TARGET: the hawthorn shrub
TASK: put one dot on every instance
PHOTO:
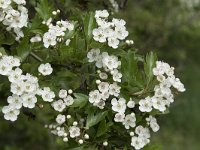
(82, 70)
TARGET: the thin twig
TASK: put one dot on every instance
(36, 56)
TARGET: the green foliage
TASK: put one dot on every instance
(80, 100)
(94, 118)
(44, 9)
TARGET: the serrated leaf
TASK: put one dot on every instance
(80, 100)
(130, 70)
(93, 119)
(89, 25)
(44, 9)
(24, 48)
(102, 128)
(149, 64)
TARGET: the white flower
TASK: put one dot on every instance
(29, 100)
(116, 75)
(47, 94)
(159, 104)
(113, 42)
(15, 75)
(103, 87)
(100, 104)
(45, 69)
(131, 104)
(153, 123)
(145, 105)
(74, 131)
(59, 105)
(105, 95)
(137, 142)
(62, 93)
(130, 121)
(10, 113)
(103, 76)
(118, 105)
(5, 68)
(68, 100)
(114, 89)
(110, 61)
(15, 101)
(17, 88)
(49, 39)
(178, 85)
(119, 117)
(60, 119)
(93, 55)
(94, 96)
(142, 132)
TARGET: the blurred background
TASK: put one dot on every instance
(169, 27)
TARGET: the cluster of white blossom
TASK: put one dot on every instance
(14, 15)
(66, 132)
(56, 33)
(163, 95)
(24, 88)
(110, 65)
(162, 98)
(152, 122)
(141, 138)
(111, 32)
(65, 100)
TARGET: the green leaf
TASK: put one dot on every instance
(93, 119)
(130, 70)
(80, 100)
(89, 25)
(149, 64)
(2, 51)
(7, 39)
(102, 128)
(24, 48)
(44, 9)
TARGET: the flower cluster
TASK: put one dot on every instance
(163, 95)
(111, 32)
(68, 130)
(14, 15)
(56, 33)
(141, 138)
(110, 66)
(24, 88)
(65, 100)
